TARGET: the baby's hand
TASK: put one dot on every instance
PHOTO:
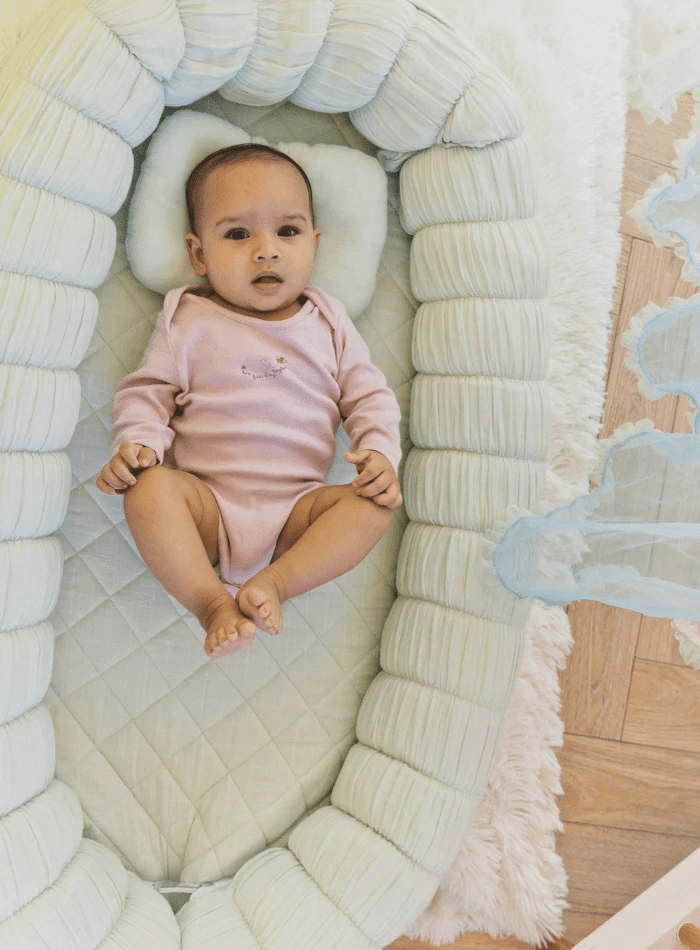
(116, 475)
(376, 479)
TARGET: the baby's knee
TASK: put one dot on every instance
(151, 481)
(387, 515)
(380, 513)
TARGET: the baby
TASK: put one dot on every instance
(224, 435)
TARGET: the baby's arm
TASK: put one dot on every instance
(368, 406)
(144, 403)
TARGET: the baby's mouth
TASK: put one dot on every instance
(267, 280)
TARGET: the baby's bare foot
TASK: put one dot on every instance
(260, 597)
(227, 628)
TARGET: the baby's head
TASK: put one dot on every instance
(251, 212)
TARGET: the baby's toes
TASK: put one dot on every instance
(273, 623)
(254, 603)
(231, 645)
(246, 628)
(217, 638)
(273, 619)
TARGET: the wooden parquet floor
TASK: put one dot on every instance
(631, 707)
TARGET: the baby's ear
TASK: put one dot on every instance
(317, 232)
(194, 249)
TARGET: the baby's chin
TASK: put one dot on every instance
(266, 303)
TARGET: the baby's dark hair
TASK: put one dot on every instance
(231, 155)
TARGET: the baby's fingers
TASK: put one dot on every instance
(109, 481)
(146, 457)
(129, 451)
(115, 476)
(104, 486)
(391, 498)
(122, 471)
(370, 486)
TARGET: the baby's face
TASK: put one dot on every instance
(255, 217)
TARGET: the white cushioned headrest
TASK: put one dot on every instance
(349, 195)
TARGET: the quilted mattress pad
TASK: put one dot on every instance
(319, 784)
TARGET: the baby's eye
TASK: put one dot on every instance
(288, 227)
(237, 233)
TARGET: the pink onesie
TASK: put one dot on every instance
(251, 406)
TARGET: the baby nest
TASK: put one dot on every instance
(87, 84)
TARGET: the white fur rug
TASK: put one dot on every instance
(568, 61)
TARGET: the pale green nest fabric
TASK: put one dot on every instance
(86, 85)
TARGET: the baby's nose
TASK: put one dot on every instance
(266, 248)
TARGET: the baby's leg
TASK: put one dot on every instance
(174, 520)
(341, 530)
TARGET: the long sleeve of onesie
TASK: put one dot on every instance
(145, 401)
(367, 405)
